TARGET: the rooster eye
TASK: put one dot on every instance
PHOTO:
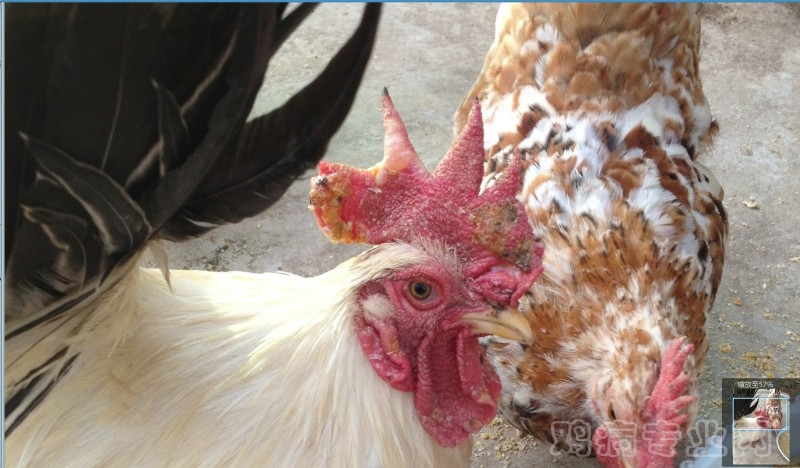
(420, 290)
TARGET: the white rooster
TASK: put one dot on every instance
(242, 369)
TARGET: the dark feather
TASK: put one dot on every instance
(119, 221)
(289, 140)
(744, 401)
(134, 118)
(172, 130)
(65, 232)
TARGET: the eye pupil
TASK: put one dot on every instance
(420, 290)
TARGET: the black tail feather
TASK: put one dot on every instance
(276, 148)
(134, 124)
(744, 402)
(149, 102)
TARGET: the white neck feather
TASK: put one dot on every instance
(230, 369)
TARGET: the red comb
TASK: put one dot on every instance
(399, 200)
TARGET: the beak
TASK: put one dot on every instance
(626, 463)
(508, 323)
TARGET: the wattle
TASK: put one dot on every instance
(456, 390)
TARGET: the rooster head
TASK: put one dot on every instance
(428, 344)
(417, 324)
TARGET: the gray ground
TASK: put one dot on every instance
(428, 55)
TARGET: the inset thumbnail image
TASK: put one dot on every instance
(760, 423)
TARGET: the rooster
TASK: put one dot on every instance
(242, 369)
(748, 429)
(211, 369)
(766, 418)
(604, 105)
(375, 363)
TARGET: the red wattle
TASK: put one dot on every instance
(456, 393)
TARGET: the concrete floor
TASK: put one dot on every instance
(428, 55)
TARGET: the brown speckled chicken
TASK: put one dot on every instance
(604, 103)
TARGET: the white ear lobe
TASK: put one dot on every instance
(378, 306)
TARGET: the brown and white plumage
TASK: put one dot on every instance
(605, 104)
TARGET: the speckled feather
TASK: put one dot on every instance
(605, 104)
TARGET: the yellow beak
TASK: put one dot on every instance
(509, 324)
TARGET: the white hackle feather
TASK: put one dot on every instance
(232, 369)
